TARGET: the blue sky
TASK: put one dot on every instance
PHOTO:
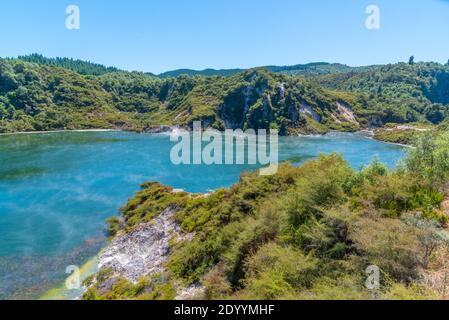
(161, 35)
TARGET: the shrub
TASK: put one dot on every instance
(275, 270)
(390, 244)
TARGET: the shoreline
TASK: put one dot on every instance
(57, 131)
(60, 292)
(396, 144)
(371, 137)
(366, 133)
(369, 134)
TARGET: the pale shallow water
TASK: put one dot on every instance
(57, 189)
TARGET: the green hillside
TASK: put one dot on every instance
(37, 97)
(49, 94)
(407, 92)
(40, 97)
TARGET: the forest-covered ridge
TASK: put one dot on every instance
(90, 68)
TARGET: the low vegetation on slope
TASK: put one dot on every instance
(305, 233)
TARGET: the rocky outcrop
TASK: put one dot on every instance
(143, 251)
(346, 113)
(160, 129)
(192, 292)
(308, 111)
(140, 252)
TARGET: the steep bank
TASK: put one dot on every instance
(141, 252)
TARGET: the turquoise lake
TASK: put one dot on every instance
(57, 189)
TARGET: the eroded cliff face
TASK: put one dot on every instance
(233, 112)
(346, 112)
(309, 112)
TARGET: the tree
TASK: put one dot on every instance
(430, 159)
(411, 60)
(3, 112)
(4, 108)
(435, 113)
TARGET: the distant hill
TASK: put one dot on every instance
(90, 68)
(206, 72)
(310, 68)
(316, 68)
